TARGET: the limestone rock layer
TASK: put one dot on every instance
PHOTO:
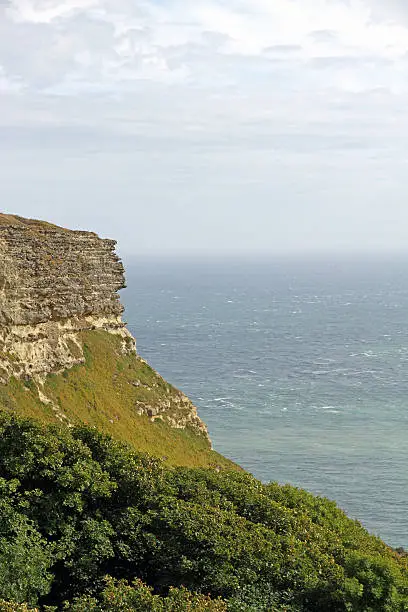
(49, 274)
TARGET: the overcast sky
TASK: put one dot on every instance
(222, 126)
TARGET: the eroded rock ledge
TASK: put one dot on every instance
(52, 346)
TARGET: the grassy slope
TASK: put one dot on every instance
(101, 394)
(15, 220)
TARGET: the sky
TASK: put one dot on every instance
(197, 127)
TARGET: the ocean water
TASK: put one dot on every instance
(299, 368)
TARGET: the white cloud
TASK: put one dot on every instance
(8, 85)
(46, 11)
(116, 41)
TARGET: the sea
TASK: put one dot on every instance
(299, 367)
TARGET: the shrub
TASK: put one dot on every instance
(77, 506)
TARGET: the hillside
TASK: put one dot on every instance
(119, 394)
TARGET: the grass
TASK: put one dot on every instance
(106, 392)
(15, 220)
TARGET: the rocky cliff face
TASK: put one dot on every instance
(53, 284)
(56, 285)
(48, 274)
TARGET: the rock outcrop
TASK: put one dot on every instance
(55, 286)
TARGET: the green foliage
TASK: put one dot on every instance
(77, 506)
(24, 555)
(119, 596)
(11, 606)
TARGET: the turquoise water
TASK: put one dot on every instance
(299, 368)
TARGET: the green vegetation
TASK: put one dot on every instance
(107, 392)
(6, 219)
(121, 512)
(87, 523)
(119, 596)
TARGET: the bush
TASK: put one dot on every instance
(120, 596)
(77, 506)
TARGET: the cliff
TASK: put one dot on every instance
(65, 353)
(53, 284)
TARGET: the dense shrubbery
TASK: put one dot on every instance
(77, 506)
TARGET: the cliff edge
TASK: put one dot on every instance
(65, 353)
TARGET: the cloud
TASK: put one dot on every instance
(249, 56)
(8, 85)
(106, 43)
(392, 11)
(284, 98)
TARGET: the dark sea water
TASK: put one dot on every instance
(299, 368)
